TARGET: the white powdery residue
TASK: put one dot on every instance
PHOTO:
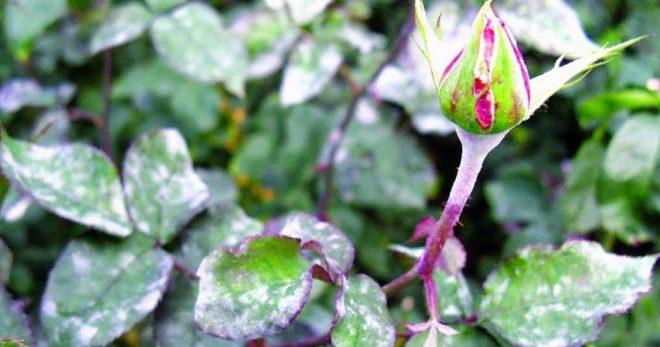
(49, 308)
(85, 334)
(148, 302)
(175, 144)
(80, 263)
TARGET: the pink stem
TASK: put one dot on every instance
(475, 150)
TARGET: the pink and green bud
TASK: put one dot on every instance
(485, 89)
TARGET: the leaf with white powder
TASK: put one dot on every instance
(253, 293)
(546, 297)
(124, 24)
(74, 181)
(311, 67)
(99, 290)
(162, 191)
(363, 316)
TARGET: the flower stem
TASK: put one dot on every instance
(475, 150)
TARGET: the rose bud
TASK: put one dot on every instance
(485, 89)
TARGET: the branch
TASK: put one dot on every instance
(106, 141)
(337, 135)
(314, 341)
(402, 281)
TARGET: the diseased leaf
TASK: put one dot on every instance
(302, 11)
(22, 92)
(579, 204)
(14, 205)
(268, 36)
(5, 263)
(74, 181)
(363, 319)
(224, 227)
(162, 191)
(162, 5)
(379, 168)
(311, 67)
(546, 297)
(336, 247)
(550, 26)
(99, 290)
(193, 41)
(13, 322)
(255, 292)
(175, 326)
(124, 24)
(222, 188)
(454, 297)
(27, 19)
(467, 337)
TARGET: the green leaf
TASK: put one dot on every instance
(607, 104)
(302, 11)
(516, 197)
(163, 5)
(543, 297)
(193, 41)
(311, 67)
(468, 337)
(579, 203)
(224, 227)
(221, 186)
(255, 292)
(163, 192)
(14, 205)
(363, 316)
(5, 263)
(27, 19)
(192, 105)
(633, 152)
(383, 169)
(98, 290)
(74, 181)
(336, 247)
(13, 322)
(22, 92)
(124, 24)
(550, 26)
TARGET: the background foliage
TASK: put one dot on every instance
(254, 101)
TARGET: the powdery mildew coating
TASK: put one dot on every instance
(83, 306)
(192, 39)
(559, 297)
(255, 292)
(312, 65)
(162, 190)
(74, 181)
(337, 248)
(363, 319)
(124, 24)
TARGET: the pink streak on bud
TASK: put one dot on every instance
(521, 61)
(451, 66)
(485, 106)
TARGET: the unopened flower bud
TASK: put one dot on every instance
(485, 89)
